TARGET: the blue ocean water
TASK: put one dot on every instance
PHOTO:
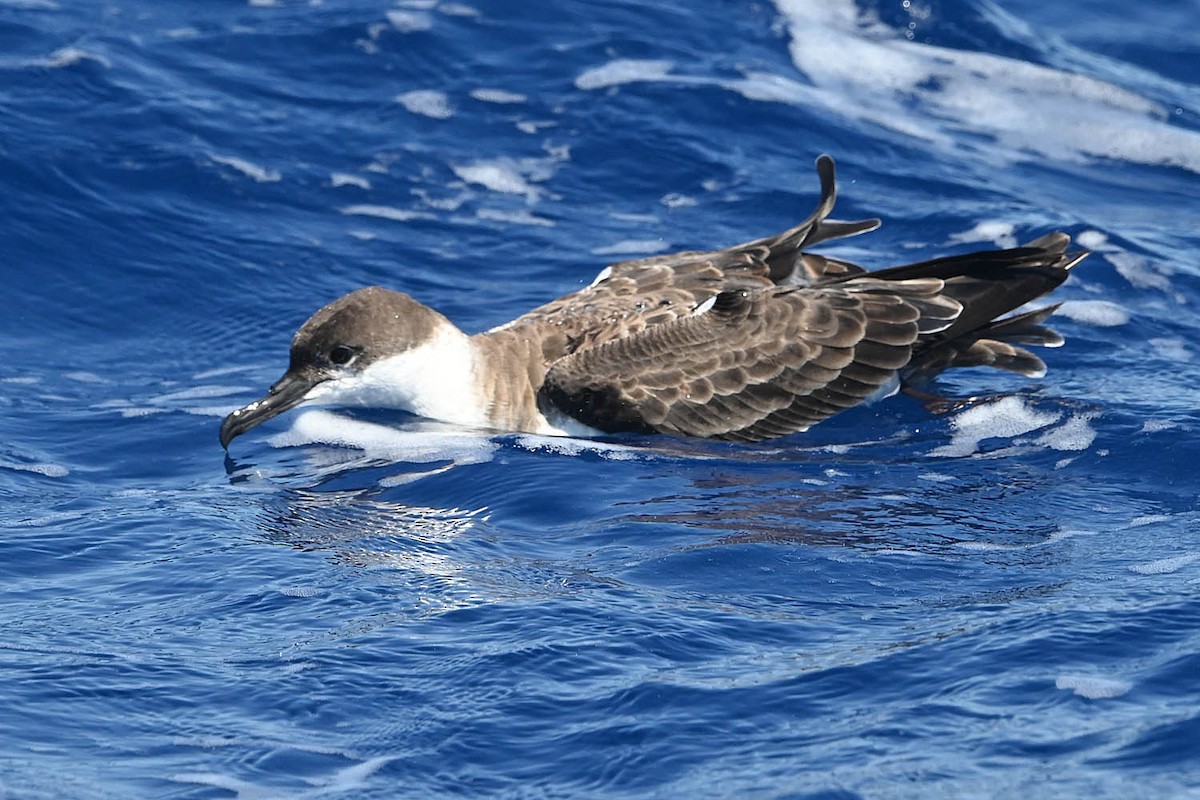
(1002, 601)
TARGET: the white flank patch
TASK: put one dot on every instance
(427, 103)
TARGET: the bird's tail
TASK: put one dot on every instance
(988, 285)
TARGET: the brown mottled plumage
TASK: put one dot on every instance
(753, 342)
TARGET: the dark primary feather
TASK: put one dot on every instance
(791, 338)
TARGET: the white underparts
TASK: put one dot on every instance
(437, 380)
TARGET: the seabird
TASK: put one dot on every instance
(749, 343)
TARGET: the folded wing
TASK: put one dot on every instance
(756, 364)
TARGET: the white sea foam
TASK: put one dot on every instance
(498, 175)
(337, 179)
(1004, 419)
(1074, 434)
(135, 412)
(385, 212)
(1164, 566)
(517, 176)
(1101, 313)
(532, 126)
(39, 468)
(1171, 348)
(426, 102)
(632, 247)
(55, 518)
(1149, 519)
(498, 96)
(1138, 271)
(1093, 687)
(41, 5)
(622, 71)
(936, 91)
(83, 376)
(765, 87)
(340, 782)
(995, 231)
(1092, 240)
(250, 169)
(864, 71)
(67, 57)
(515, 217)
(409, 20)
(573, 447)
(194, 393)
(677, 200)
(458, 10)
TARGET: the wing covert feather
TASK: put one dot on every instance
(757, 364)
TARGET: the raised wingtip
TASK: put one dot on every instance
(1057, 243)
(827, 173)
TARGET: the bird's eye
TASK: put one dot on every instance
(341, 354)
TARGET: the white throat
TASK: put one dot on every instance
(437, 380)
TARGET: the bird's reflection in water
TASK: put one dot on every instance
(421, 546)
(906, 510)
